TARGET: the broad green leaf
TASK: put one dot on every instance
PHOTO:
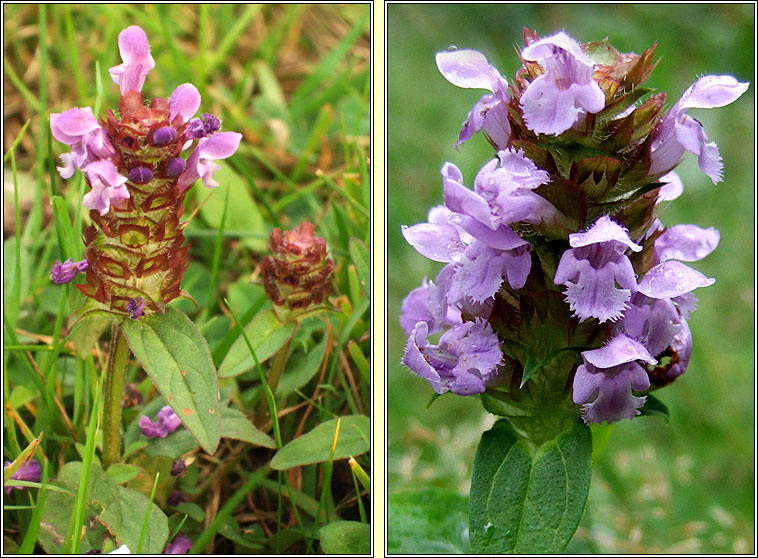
(175, 356)
(120, 473)
(360, 255)
(195, 512)
(316, 445)
(234, 424)
(300, 369)
(266, 334)
(528, 501)
(242, 216)
(430, 522)
(345, 537)
(124, 517)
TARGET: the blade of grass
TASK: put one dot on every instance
(73, 55)
(177, 529)
(323, 121)
(355, 469)
(326, 482)
(327, 67)
(147, 515)
(350, 199)
(231, 504)
(28, 96)
(12, 308)
(232, 35)
(16, 141)
(210, 302)
(71, 542)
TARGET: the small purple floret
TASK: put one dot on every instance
(66, 271)
(180, 545)
(167, 422)
(163, 136)
(176, 498)
(30, 471)
(465, 361)
(136, 307)
(199, 128)
(175, 166)
(178, 468)
(140, 175)
(604, 383)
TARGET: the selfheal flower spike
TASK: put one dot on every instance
(297, 273)
(138, 179)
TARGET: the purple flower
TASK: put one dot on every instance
(686, 243)
(200, 163)
(136, 307)
(107, 186)
(464, 361)
(593, 266)
(672, 279)
(167, 422)
(178, 468)
(137, 62)
(202, 127)
(66, 271)
(29, 471)
(557, 99)
(427, 304)
(184, 102)
(603, 384)
(469, 69)
(678, 132)
(180, 545)
(79, 128)
(502, 192)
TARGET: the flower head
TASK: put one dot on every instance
(180, 545)
(591, 268)
(137, 61)
(470, 69)
(678, 132)
(603, 384)
(557, 99)
(30, 471)
(167, 422)
(464, 361)
(297, 274)
(66, 271)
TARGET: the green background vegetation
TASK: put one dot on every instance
(686, 486)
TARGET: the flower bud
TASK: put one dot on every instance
(163, 136)
(66, 271)
(175, 166)
(297, 273)
(140, 175)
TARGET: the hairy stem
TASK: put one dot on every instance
(113, 396)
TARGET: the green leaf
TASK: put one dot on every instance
(431, 522)
(242, 215)
(195, 512)
(300, 369)
(175, 355)
(315, 446)
(527, 500)
(345, 537)
(359, 253)
(266, 334)
(67, 242)
(654, 406)
(120, 473)
(234, 424)
(124, 518)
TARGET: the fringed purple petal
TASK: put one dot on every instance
(686, 243)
